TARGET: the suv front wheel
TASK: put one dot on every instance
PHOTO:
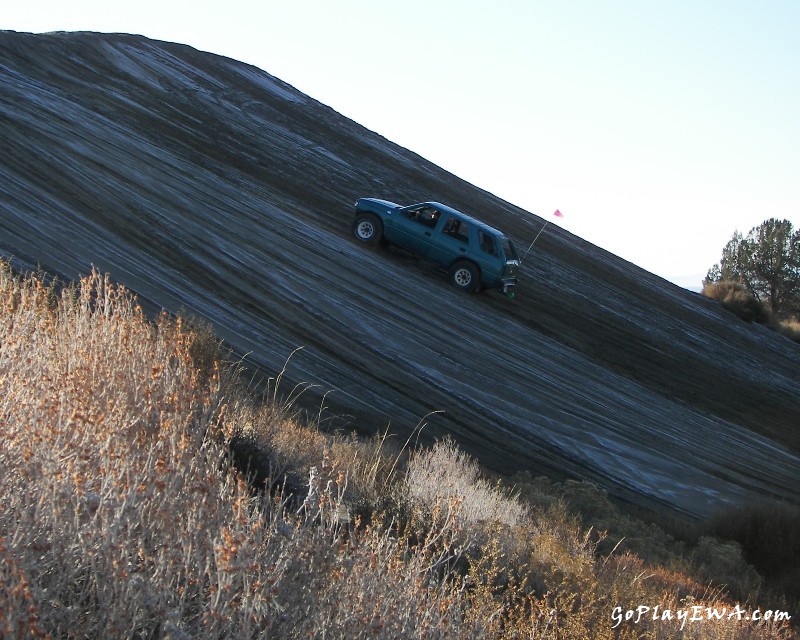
(464, 275)
(368, 228)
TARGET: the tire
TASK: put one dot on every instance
(465, 276)
(368, 228)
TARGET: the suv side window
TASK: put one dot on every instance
(424, 215)
(509, 250)
(457, 229)
(487, 243)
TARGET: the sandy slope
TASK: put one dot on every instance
(207, 185)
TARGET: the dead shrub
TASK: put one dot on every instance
(444, 474)
(121, 515)
(735, 297)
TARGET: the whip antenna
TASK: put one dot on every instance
(557, 214)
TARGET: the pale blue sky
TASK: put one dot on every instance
(657, 128)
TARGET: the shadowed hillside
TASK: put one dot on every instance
(209, 186)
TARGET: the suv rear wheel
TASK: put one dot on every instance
(368, 228)
(464, 275)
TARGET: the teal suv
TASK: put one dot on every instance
(476, 255)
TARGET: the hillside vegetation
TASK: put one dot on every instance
(736, 298)
(146, 494)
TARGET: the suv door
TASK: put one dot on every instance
(451, 241)
(412, 228)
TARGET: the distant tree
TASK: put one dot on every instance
(767, 263)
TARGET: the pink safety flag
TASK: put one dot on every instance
(558, 214)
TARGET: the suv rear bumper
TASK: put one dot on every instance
(507, 284)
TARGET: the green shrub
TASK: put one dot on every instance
(722, 564)
(769, 536)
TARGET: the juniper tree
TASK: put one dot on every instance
(767, 262)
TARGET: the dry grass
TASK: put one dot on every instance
(142, 497)
(790, 329)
